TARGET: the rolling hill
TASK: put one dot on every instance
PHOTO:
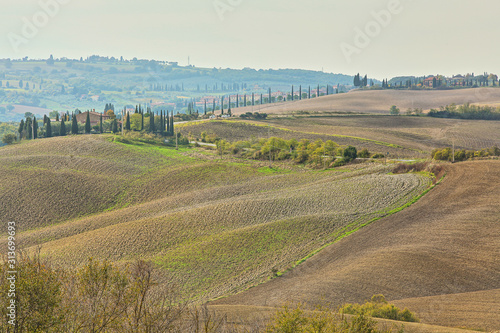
(439, 257)
(380, 101)
(213, 226)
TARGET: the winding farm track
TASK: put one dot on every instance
(440, 257)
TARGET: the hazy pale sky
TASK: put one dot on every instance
(383, 38)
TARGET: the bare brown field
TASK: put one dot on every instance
(242, 316)
(482, 309)
(379, 101)
(445, 244)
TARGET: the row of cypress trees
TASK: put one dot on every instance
(29, 129)
(164, 127)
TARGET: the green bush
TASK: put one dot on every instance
(364, 153)
(350, 153)
(378, 307)
(9, 138)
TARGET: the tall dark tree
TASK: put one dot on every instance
(222, 105)
(168, 122)
(28, 128)
(357, 80)
(300, 92)
(292, 93)
(21, 129)
(48, 129)
(245, 100)
(253, 99)
(62, 131)
(127, 122)
(151, 122)
(205, 111)
(309, 95)
(142, 121)
(365, 81)
(57, 116)
(35, 128)
(269, 95)
(318, 91)
(87, 123)
(114, 127)
(229, 109)
(213, 106)
(74, 126)
(100, 123)
(237, 100)
(172, 124)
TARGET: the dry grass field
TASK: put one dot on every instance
(438, 257)
(214, 227)
(379, 101)
(237, 232)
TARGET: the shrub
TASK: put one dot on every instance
(9, 138)
(378, 155)
(378, 307)
(364, 153)
(350, 153)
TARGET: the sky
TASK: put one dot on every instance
(381, 38)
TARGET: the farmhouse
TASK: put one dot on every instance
(94, 117)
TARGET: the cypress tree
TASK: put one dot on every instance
(261, 98)
(62, 132)
(229, 110)
(151, 122)
(35, 128)
(269, 94)
(300, 92)
(28, 127)
(205, 108)
(100, 123)
(172, 124)
(57, 116)
(253, 99)
(74, 126)
(222, 105)
(213, 107)
(245, 100)
(237, 100)
(167, 120)
(127, 122)
(309, 95)
(21, 129)
(318, 91)
(87, 123)
(48, 130)
(142, 121)
(114, 127)
(162, 123)
(292, 92)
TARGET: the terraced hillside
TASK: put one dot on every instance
(439, 257)
(214, 226)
